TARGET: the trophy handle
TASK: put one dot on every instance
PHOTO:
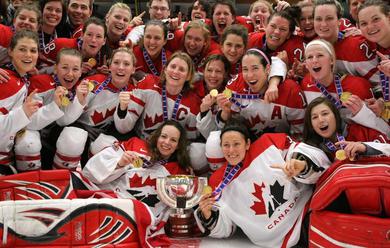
(164, 196)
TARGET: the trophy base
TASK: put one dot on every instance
(181, 226)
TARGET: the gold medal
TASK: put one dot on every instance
(340, 154)
(138, 163)
(91, 86)
(20, 133)
(65, 101)
(214, 93)
(92, 62)
(228, 93)
(345, 96)
(207, 190)
(386, 112)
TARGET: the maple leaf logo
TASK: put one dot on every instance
(276, 195)
(255, 120)
(150, 121)
(143, 188)
(98, 117)
(259, 206)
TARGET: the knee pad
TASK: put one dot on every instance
(101, 142)
(70, 146)
(214, 152)
(198, 158)
(28, 151)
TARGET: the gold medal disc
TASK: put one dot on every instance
(65, 101)
(92, 62)
(207, 190)
(340, 155)
(91, 86)
(138, 163)
(20, 133)
(345, 96)
(228, 93)
(386, 111)
(214, 93)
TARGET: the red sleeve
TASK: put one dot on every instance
(6, 36)
(177, 42)
(361, 133)
(41, 83)
(255, 40)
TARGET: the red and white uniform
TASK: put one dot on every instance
(129, 182)
(285, 115)
(294, 46)
(100, 107)
(357, 86)
(146, 105)
(5, 41)
(271, 206)
(12, 116)
(142, 64)
(354, 56)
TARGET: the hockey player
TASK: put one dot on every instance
(131, 168)
(15, 115)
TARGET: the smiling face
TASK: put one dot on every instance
(353, 8)
(323, 121)
(222, 17)
(26, 19)
(176, 73)
(234, 147)
(68, 70)
(52, 13)
(277, 32)
(154, 40)
(117, 21)
(326, 23)
(24, 55)
(233, 48)
(194, 41)
(79, 11)
(254, 73)
(168, 141)
(159, 10)
(306, 22)
(93, 40)
(214, 74)
(260, 13)
(319, 63)
(198, 12)
(375, 25)
(121, 68)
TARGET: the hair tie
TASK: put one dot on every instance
(261, 53)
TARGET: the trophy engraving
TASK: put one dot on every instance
(181, 192)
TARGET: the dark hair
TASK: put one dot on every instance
(43, 3)
(339, 8)
(383, 6)
(181, 152)
(263, 57)
(149, 3)
(290, 14)
(228, 3)
(205, 5)
(238, 30)
(90, 3)
(188, 85)
(30, 7)
(218, 57)
(237, 124)
(97, 22)
(70, 52)
(24, 33)
(309, 135)
(159, 23)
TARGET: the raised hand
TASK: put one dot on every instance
(4, 76)
(137, 20)
(124, 100)
(291, 168)
(206, 203)
(82, 92)
(352, 149)
(30, 106)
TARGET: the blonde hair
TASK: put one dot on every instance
(119, 6)
(191, 70)
(327, 46)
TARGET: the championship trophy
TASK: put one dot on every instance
(181, 192)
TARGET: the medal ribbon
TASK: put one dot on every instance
(71, 93)
(150, 63)
(325, 92)
(227, 178)
(165, 105)
(42, 44)
(332, 146)
(148, 164)
(385, 86)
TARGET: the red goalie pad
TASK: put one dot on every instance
(351, 205)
